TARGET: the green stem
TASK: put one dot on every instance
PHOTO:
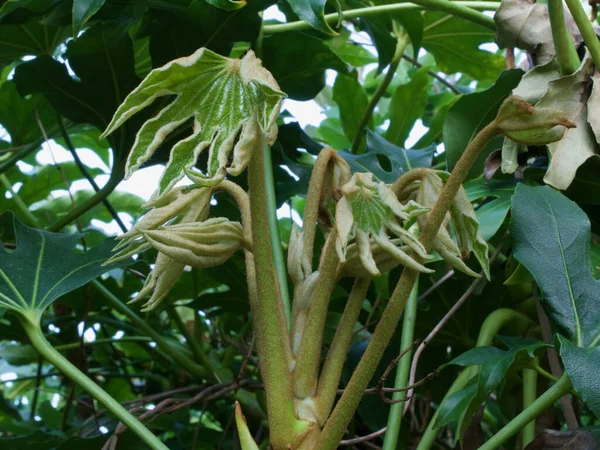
(276, 248)
(306, 370)
(540, 370)
(272, 337)
(46, 350)
(191, 341)
(489, 329)
(546, 400)
(390, 441)
(115, 178)
(33, 221)
(586, 29)
(73, 345)
(401, 43)
(344, 410)
(465, 9)
(336, 356)
(109, 207)
(529, 396)
(178, 357)
(566, 55)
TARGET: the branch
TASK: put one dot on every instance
(433, 333)
(433, 74)
(465, 9)
(401, 42)
(368, 437)
(109, 207)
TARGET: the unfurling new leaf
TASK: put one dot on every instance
(233, 103)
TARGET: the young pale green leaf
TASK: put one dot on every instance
(83, 10)
(313, 13)
(557, 255)
(43, 267)
(225, 97)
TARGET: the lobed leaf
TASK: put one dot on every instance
(228, 100)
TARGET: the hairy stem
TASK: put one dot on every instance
(46, 350)
(566, 55)
(306, 369)
(586, 29)
(177, 356)
(116, 177)
(336, 356)
(390, 441)
(546, 400)
(342, 414)
(401, 43)
(272, 337)
(465, 9)
(529, 396)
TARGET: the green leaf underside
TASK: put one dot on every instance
(209, 88)
(557, 255)
(552, 240)
(43, 267)
(313, 13)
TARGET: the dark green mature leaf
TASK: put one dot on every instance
(491, 214)
(379, 28)
(312, 12)
(406, 106)
(351, 53)
(557, 255)
(387, 161)
(228, 5)
(298, 63)
(32, 38)
(180, 31)
(473, 112)
(455, 43)
(43, 267)
(352, 100)
(103, 61)
(18, 115)
(459, 408)
(83, 10)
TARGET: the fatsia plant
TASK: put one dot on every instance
(420, 211)
(378, 234)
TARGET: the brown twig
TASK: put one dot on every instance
(444, 321)
(368, 437)
(436, 285)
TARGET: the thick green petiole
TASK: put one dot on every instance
(546, 400)
(566, 55)
(46, 350)
(408, 331)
